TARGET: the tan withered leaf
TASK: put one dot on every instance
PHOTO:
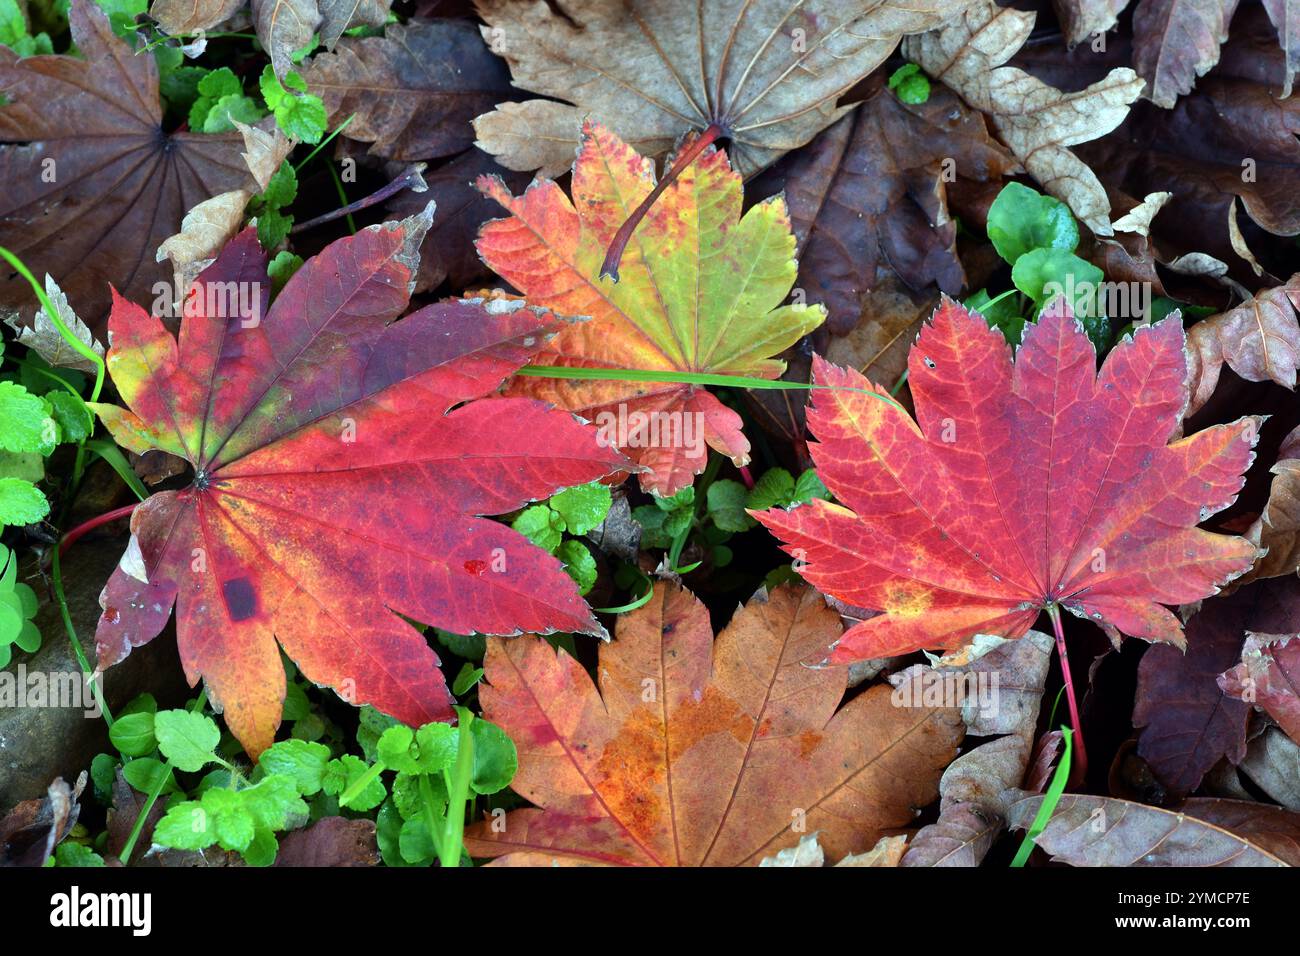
(92, 184)
(1083, 19)
(212, 223)
(1101, 831)
(412, 92)
(1038, 122)
(971, 789)
(187, 16)
(768, 71)
(1259, 340)
(701, 753)
(44, 336)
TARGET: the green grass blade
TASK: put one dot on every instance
(1050, 799)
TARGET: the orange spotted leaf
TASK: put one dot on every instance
(696, 752)
(701, 290)
(341, 460)
(1019, 485)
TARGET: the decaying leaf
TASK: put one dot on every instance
(1176, 41)
(212, 223)
(30, 831)
(92, 182)
(1187, 724)
(695, 753)
(1268, 677)
(1038, 122)
(44, 337)
(189, 16)
(1101, 831)
(869, 193)
(1273, 764)
(1001, 694)
(701, 291)
(1259, 340)
(413, 91)
(769, 72)
(333, 489)
(1018, 486)
(808, 853)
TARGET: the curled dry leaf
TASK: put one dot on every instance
(1085, 19)
(943, 523)
(701, 291)
(868, 195)
(44, 336)
(1268, 676)
(212, 223)
(413, 91)
(1259, 340)
(284, 27)
(700, 753)
(204, 231)
(1231, 137)
(334, 486)
(769, 72)
(92, 182)
(31, 830)
(1001, 694)
(287, 26)
(887, 852)
(1101, 831)
(1038, 122)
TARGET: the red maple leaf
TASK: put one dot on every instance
(340, 461)
(1019, 487)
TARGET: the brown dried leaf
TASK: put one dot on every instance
(961, 836)
(1101, 831)
(1273, 763)
(1259, 340)
(189, 16)
(1187, 723)
(868, 196)
(414, 90)
(1038, 122)
(1083, 19)
(769, 71)
(120, 184)
(694, 753)
(1176, 41)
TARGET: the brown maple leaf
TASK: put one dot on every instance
(768, 72)
(93, 183)
(694, 752)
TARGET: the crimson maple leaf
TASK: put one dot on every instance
(1019, 486)
(339, 466)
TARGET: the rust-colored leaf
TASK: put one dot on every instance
(698, 753)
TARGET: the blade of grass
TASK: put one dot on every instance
(1050, 799)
